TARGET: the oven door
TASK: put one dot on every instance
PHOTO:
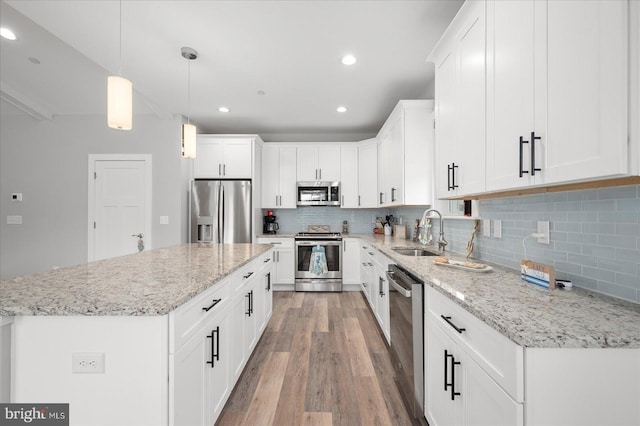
(333, 253)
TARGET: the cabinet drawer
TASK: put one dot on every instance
(498, 356)
(186, 320)
(277, 242)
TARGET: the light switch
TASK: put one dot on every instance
(164, 220)
(486, 228)
(497, 228)
(14, 220)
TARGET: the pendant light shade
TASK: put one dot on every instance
(119, 103)
(189, 130)
(188, 141)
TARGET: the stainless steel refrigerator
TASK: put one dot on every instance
(220, 211)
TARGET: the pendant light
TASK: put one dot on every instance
(189, 130)
(119, 94)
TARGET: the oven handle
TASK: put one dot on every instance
(403, 291)
(321, 243)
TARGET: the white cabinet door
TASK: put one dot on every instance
(239, 353)
(510, 93)
(208, 161)
(585, 133)
(349, 176)
(237, 161)
(270, 177)
(329, 164)
(368, 174)
(190, 382)
(470, 47)
(284, 266)
(351, 261)
(307, 164)
(382, 304)
(445, 113)
(287, 182)
(267, 289)
(218, 365)
(440, 409)
(278, 177)
(384, 152)
(395, 161)
(483, 401)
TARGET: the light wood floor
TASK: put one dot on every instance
(321, 361)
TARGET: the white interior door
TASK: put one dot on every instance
(120, 194)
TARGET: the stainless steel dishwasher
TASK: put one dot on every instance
(406, 323)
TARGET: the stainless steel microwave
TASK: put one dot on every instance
(318, 193)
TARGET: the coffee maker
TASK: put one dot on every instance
(270, 226)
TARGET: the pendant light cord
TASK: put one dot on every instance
(188, 91)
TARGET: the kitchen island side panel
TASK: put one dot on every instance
(132, 389)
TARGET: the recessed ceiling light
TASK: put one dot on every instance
(349, 60)
(224, 109)
(341, 109)
(7, 33)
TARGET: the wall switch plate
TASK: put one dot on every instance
(543, 228)
(16, 196)
(87, 363)
(497, 228)
(164, 220)
(14, 220)
(486, 228)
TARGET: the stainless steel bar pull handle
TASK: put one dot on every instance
(448, 321)
(215, 302)
(219, 169)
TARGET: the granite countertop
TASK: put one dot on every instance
(275, 235)
(529, 315)
(153, 282)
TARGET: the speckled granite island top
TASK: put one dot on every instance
(528, 315)
(149, 283)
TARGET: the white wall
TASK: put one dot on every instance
(47, 161)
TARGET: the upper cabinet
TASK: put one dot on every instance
(367, 174)
(318, 163)
(278, 177)
(349, 176)
(460, 104)
(405, 155)
(563, 118)
(220, 157)
(531, 93)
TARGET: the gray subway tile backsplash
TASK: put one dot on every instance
(595, 233)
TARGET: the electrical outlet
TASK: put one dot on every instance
(87, 363)
(486, 228)
(497, 228)
(543, 228)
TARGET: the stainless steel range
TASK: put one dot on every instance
(318, 260)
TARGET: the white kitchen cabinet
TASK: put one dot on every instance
(469, 368)
(351, 261)
(349, 176)
(543, 127)
(202, 380)
(375, 284)
(405, 155)
(267, 298)
(318, 163)
(278, 177)
(283, 258)
(368, 174)
(220, 157)
(381, 297)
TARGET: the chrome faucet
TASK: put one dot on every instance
(442, 243)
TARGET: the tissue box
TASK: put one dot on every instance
(538, 274)
(400, 231)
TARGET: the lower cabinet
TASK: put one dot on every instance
(350, 261)
(283, 258)
(205, 367)
(373, 275)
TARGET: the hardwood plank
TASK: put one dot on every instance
(300, 347)
(290, 407)
(265, 399)
(336, 330)
(230, 418)
(281, 302)
(317, 419)
(297, 298)
(393, 400)
(344, 400)
(319, 384)
(321, 314)
(373, 336)
(357, 347)
(285, 334)
(371, 402)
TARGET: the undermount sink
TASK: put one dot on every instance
(414, 252)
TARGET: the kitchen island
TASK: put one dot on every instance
(155, 327)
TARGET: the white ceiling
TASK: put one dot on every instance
(289, 49)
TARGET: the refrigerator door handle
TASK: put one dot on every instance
(221, 213)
